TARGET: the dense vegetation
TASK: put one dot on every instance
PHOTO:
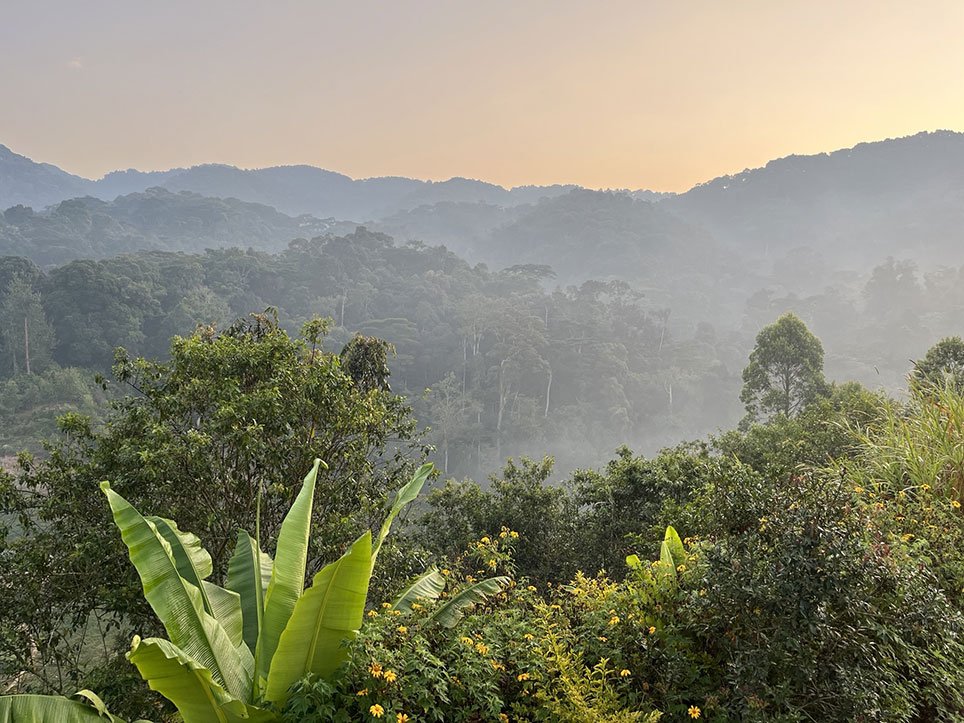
(817, 572)
(571, 559)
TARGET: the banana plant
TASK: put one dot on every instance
(233, 652)
(430, 586)
(56, 709)
(672, 554)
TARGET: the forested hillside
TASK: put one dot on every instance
(156, 219)
(496, 363)
(533, 320)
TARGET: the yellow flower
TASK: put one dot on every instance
(390, 676)
(377, 711)
(513, 534)
(402, 629)
(955, 504)
(375, 669)
(416, 606)
(401, 718)
(858, 489)
(602, 638)
(503, 718)
(445, 571)
(522, 676)
(681, 568)
(652, 630)
(372, 613)
(530, 636)
(363, 691)
(467, 641)
(614, 620)
(496, 665)
(386, 605)
(491, 563)
(925, 487)
(485, 540)
(694, 711)
(482, 648)
(624, 673)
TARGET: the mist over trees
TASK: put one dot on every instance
(555, 351)
(530, 320)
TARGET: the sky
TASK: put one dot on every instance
(606, 94)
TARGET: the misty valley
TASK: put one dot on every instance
(621, 455)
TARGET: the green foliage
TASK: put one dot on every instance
(827, 430)
(785, 373)
(205, 437)
(30, 406)
(207, 670)
(812, 616)
(519, 500)
(943, 364)
(506, 659)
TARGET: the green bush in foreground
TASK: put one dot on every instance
(235, 651)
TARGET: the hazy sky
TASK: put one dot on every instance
(633, 93)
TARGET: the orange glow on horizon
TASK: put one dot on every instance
(619, 94)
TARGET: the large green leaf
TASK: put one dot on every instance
(327, 615)
(194, 565)
(427, 586)
(405, 495)
(189, 685)
(249, 573)
(676, 549)
(666, 569)
(54, 709)
(287, 575)
(449, 614)
(178, 603)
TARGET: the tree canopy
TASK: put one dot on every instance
(785, 373)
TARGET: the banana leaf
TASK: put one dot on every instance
(178, 603)
(666, 569)
(287, 574)
(190, 686)
(449, 614)
(327, 615)
(676, 549)
(405, 495)
(427, 586)
(55, 709)
(194, 565)
(249, 573)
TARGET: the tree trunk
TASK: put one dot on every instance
(26, 344)
(548, 389)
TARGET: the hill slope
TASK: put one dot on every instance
(154, 220)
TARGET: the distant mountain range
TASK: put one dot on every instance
(293, 190)
(901, 197)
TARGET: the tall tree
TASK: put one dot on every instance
(28, 339)
(785, 373)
